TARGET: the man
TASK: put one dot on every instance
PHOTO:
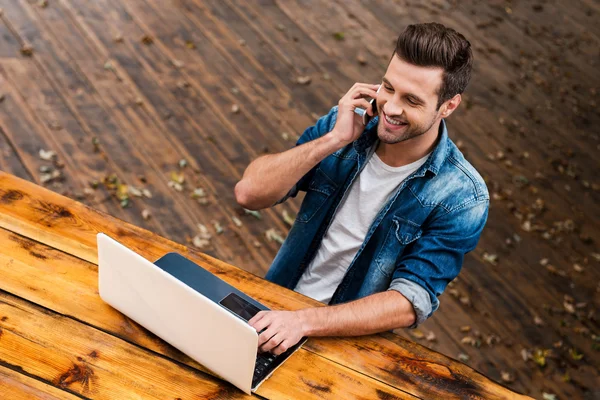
(390, 209)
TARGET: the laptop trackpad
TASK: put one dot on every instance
(239, 306)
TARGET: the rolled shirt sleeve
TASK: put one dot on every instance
(416, 295)
(428, 264)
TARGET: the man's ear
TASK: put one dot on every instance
(449, 106)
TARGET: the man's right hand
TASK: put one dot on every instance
(349, 126)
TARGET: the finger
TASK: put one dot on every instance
(273, 342)
(266, 336)
(257, 318)
(283, 347)
(362, 103)
(363, 91)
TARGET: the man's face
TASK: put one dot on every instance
(407, 101)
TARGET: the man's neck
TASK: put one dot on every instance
(409, 151)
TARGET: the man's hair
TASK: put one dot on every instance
(434, 45)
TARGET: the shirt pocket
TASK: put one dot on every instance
(319, 191)
(401, 233)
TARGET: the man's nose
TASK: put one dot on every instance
(393, 109)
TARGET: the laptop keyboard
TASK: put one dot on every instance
(263, 362)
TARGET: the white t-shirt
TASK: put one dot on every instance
(368, 194)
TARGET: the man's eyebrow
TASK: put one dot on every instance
(414, 97)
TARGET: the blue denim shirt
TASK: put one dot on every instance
(416, 243)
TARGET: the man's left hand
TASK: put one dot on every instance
(282, 330)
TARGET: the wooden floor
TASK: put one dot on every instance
(171, 100)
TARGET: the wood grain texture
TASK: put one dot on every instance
(17, 386)
(532, 98)
(72, 355)
(432, 374)
(68, 286)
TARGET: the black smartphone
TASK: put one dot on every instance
(363, 113)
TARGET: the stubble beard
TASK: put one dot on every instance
(389, 137)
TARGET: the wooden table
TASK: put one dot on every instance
(58, 339)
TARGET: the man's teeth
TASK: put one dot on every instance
(393, 122)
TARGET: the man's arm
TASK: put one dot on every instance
(269, 178)
(375, 313)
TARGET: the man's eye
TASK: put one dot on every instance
(389, 89)
(412, 102)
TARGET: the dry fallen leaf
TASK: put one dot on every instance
(42, 3)
(538, 321)
(202, 240)
(303, 80)
(47, 155)
(254, 213)
(416, 333)
(288, 218)
(463, 357)
(27, 50)
(198, 193)
(147, 193)
(176, 186)
(430, 337)
(218, 228)
(338, 35)
(146, 214)
(50, 176)
(569, 307)
(96, 144)
(575, 355)
(190, 45)
(539, 356)
(273, 235)
(507, 377)
(490, 258)
(109, 66)
(177, 63)
(235, 108)
(147, 39)
(177, 177)
(236, 221)
(549, 396)
(132, 190)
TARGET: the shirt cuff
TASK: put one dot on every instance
(418, 297)
(291, 193)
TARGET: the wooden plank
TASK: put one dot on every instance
(202, 153)
(72, 228)
(210, 59)
(9, 159)
(165, 200)
(219, 53)
(17, 386)
(77, 152)
(21, 130)
(89, 362)
(23, 260)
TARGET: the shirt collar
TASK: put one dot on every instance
(436, 158)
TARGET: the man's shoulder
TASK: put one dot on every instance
(458, 184)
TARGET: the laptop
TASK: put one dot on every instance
(190, 308)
